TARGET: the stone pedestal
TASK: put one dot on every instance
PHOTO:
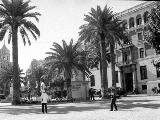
(80, 89)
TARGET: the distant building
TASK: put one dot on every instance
(4, 63)
(137, 65)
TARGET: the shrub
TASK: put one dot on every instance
(7, 100)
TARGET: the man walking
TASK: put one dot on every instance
(44, 99)
(90, 97)
(113, 99)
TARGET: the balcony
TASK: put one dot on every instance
(126, 56)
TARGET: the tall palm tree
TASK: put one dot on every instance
(94, 56)
(102, 26)
(14, 15)
(67, 59)
(115, 35)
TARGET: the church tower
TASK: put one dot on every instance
(4, 64)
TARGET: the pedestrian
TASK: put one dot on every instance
(90, 97)
(113, 99)
(92, 94)
(44, 99)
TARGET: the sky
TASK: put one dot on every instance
(60, 20)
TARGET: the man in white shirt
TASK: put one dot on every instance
(44, 99)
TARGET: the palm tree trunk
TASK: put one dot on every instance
(69, 91)
(113, 64)
(101, 73)
(104, 63)
(39, 88)
(16, 81)
(4, 88)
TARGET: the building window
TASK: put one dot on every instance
(146, 16)
(131, 22)
(140, 36)
(159, 85)
(141, 52)
(143, 72)
(139, 19)
(92, 80)
(158, 69)
(144, 87)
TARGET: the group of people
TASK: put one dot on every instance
(44, 97)
(91, 94)
(113, 97)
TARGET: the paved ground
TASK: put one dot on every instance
(136, 107)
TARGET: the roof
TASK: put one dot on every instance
(4, 49)
(136, 8)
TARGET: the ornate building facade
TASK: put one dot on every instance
(137, 65)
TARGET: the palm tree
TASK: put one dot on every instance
(14, 14)
(115, 35)
(94, 57)
(67, 59)
(103, 27)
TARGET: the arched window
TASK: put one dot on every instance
(145, 17)
(138, 19)
(124, 25)
(131, 22)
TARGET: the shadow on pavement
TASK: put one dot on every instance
(130, 104)
(123, 105)
(52, 109)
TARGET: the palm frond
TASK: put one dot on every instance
(28, 8)
(9, 36)
(3, 12)
(34, 15)
(30, 26)
(65, 46)
(6, 3)
(58, 48)
(3, 31)
(23, 35)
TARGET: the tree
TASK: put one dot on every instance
(6, 76)
(153, 35)
(103, 27)
(34, 75)
(14, 15)
(67, 59)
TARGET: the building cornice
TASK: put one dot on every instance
(136, 8)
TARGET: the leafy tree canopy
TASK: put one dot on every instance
(154, 28)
